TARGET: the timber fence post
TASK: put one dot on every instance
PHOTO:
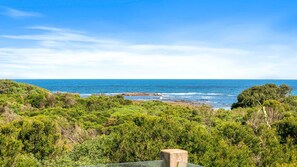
(174, 158)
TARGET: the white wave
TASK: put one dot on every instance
(112, 94)
(231, 95)
(192, 93)
(206, 97)
(215, 94)
(57, 91)
(182, 94)
(85, 94)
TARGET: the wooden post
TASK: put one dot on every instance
(174, 158)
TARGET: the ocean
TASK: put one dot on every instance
(217, 93)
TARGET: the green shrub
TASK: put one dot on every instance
(257, 95)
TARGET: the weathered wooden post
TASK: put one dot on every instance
(174, 158)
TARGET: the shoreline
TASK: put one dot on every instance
(192, 99)
(185, 103)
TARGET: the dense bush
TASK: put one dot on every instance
(257, 95)
(39, 128)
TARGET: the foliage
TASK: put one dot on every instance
(40, 128)
(257, 95)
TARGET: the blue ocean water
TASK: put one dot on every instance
(218, 93)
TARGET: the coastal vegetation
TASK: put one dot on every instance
(40, 128)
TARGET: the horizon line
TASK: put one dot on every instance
(149, 79)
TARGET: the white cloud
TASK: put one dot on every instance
(14, 13)
(52, 35)
(62, 53)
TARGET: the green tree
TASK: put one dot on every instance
(257, 95)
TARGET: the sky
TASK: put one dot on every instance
(148, 39)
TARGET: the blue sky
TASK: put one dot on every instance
(194, 39)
